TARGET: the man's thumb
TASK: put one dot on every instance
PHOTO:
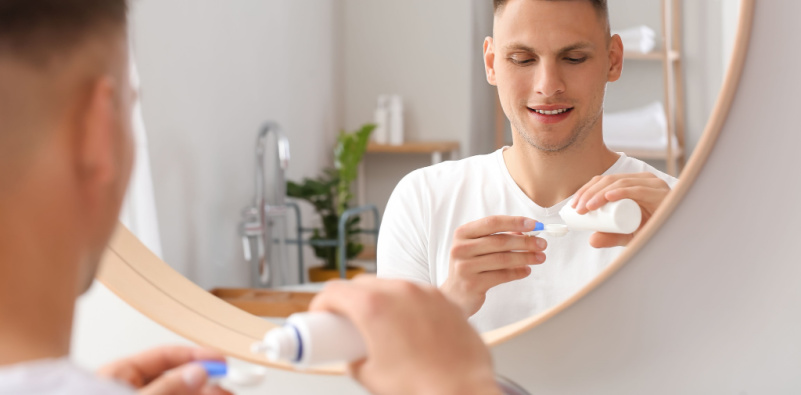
(186, 380)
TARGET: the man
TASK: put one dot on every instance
(65, 160)
(457, 224)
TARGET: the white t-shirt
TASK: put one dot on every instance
(55, 377)
(430, 203)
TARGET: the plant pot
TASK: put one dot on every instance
(319, 274)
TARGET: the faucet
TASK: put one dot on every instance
(268, 212)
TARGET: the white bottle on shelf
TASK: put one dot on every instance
(381, 132)
(396, 120)
(314, 338)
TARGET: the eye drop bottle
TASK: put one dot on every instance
(309, 339)
(623, 216)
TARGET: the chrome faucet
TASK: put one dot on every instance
(267, 216)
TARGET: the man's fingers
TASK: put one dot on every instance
(596, 196)
(607, 240)
(141, 368)
(498, 261)
(647, 197)
(186, 380)
(494, 224)
(581, 191)
(214, 390)
(497, 243)
(494, 278)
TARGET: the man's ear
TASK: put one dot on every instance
(489, 60)
(615, 58)
(96, 137)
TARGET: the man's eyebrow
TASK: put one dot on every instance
(578, 46)
(571, 47)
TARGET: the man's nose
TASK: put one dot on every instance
(548, 80)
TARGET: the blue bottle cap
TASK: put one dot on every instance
(214, 368)
(539, 226)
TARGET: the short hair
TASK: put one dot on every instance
(39, 39)
(35, 30)
(600, 6)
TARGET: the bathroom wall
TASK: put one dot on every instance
(212, 72)
(429, 52)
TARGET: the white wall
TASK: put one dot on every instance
(212, 72)
(429, 52)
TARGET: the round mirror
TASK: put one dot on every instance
(249, 95)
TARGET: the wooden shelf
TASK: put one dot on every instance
(265, 303)
(655, 56)
(428, 147)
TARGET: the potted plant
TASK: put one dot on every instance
(330, 194)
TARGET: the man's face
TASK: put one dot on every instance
(551, 61)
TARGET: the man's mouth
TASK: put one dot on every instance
(551, 112)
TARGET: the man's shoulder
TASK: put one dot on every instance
(454, 173)
(633, 165)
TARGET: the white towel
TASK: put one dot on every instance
(138, 211)
(641, 128)
(640, 39)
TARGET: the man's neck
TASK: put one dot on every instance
(37, 295)
(548, 178)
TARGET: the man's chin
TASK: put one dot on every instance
(550, 145)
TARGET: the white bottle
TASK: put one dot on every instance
(309, 339)
(395, 120)
(623, 216)
(381, 132)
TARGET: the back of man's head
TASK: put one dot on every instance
(40, 43)
(65, 135)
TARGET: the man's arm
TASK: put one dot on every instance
(402, 250)
(417, 341)
(645, 188)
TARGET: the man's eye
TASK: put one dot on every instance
(576, 60)
(521, 61)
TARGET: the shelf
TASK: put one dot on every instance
(265, 303)
(428, 147)
(656, 56)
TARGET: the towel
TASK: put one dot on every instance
(641, 39)
(640, 128)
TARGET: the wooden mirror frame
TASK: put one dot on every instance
(144, 281)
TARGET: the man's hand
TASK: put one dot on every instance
(646, 189)
(483, 257)
(165, 371)
(417, 341)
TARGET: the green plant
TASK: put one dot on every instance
(330, 193)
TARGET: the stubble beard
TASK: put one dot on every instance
(577, 135)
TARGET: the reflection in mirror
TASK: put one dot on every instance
(417, 70)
